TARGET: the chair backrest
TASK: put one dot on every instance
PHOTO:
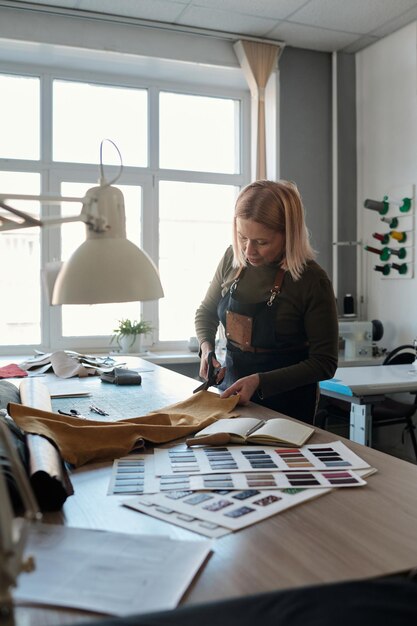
(400, 355)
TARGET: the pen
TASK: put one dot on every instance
(254, 428)
(96, 409)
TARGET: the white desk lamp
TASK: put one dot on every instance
(107, 267)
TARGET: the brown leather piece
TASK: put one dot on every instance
(239, 328)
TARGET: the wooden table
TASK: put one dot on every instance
(347, 534)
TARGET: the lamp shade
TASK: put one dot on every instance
(114, 270)
(107, 267)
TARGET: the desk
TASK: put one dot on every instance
(348, 534)
(364, 386)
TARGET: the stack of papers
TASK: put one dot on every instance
(107, 572)
(215, 490)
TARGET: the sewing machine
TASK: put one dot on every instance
(357, 338)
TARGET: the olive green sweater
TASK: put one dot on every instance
(306, 314)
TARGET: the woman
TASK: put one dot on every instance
(276, 304)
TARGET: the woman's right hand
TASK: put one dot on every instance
(206, 348)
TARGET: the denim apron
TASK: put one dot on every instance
(264, 354)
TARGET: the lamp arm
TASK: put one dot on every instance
(28, 221)
(5, 222)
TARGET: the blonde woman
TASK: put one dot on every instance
(276, 304)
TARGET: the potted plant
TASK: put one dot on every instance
(128, 334)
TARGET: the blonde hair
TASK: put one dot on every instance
(277, 206)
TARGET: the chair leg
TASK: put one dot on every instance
(411, 427)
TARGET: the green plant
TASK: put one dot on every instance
(129, 328)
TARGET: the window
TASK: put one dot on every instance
(182, 156)
(198, 133)
(20, 319)
(20, 117)
(194, 229)
(84, 114)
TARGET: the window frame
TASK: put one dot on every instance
(53, 173)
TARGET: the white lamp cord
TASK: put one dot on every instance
(103, 180)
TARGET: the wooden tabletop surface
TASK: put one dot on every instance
(347, 534)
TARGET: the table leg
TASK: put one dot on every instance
(361, 424)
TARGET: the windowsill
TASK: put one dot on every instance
(161, 358)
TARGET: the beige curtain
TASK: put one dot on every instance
(258, 60)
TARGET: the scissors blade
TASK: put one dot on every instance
(202, 387)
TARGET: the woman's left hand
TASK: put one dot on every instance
(244, 387)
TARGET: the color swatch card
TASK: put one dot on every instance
(319, 456)
(133, 474)
(217, 512)
(156, 507)
(262, 480)
(207, 460)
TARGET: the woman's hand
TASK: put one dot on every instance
(206, 348)
(245, 387)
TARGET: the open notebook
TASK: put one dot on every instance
(251, 430)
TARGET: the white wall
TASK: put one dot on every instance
(387, 158)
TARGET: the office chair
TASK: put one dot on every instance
(386, 413)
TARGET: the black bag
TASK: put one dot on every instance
(121, 376)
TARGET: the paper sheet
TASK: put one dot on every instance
(107, 572)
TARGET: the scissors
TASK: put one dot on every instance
(72, 413)
(212, 374)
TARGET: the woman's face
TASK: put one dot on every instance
(260, 245)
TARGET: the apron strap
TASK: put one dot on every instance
(236, 279)
(276, 289)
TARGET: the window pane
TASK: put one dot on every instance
(19, 119)
(195, 230)
(97, 319)
(84, 115)
(20, 267)
(199, 133)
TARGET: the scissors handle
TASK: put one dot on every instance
(211, 369)
(211, 374)
(72, 413)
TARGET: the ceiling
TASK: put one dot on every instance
(326, 25)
